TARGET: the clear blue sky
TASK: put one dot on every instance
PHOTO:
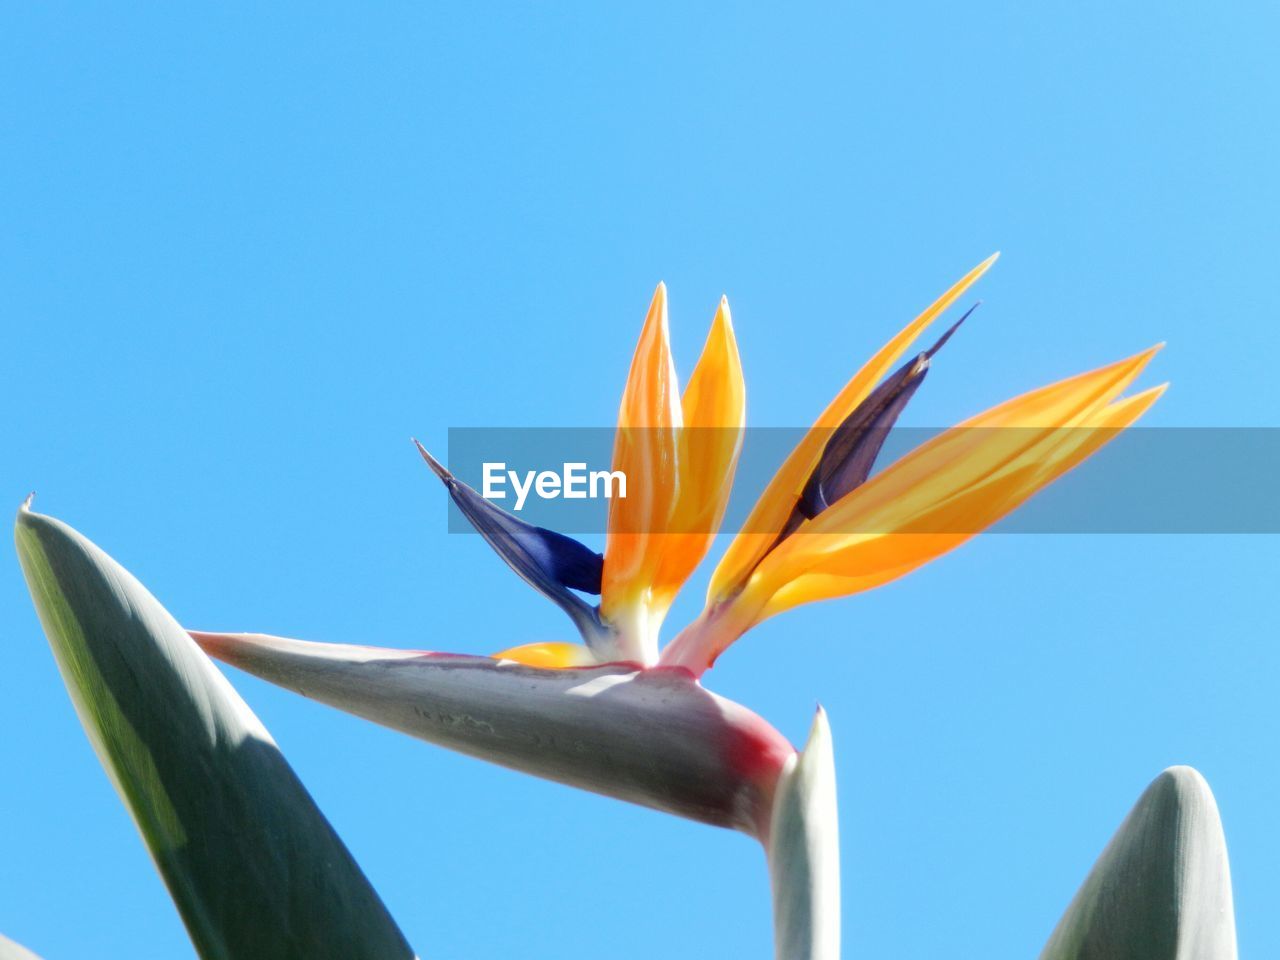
(245, 253)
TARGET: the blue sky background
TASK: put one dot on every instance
(245, 253)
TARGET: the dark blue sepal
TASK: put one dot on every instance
(550, 562)
(851, 451)
(852, 448)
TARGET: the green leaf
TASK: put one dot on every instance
(804, 853)
(255, 869)
(1161, 890)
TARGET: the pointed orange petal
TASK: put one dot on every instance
(962, 457)
(1067, 401)
(882, 548)
(646, 451)
(776, 503)
(928, 503)
(714, 406)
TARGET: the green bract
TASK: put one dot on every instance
(1161, 890)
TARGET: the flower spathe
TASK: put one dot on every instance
(651, 737)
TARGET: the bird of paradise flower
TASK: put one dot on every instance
(618, 714)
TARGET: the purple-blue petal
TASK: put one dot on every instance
(550, 562)
(851, 451)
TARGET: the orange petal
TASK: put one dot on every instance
(714, 407)
(646, 451)
(959, 458)
(775, 505)
(880, 547)
(926, 504)
(553, 655)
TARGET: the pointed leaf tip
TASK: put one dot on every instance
(803, 848)
(251, 863)
(1161, 890)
